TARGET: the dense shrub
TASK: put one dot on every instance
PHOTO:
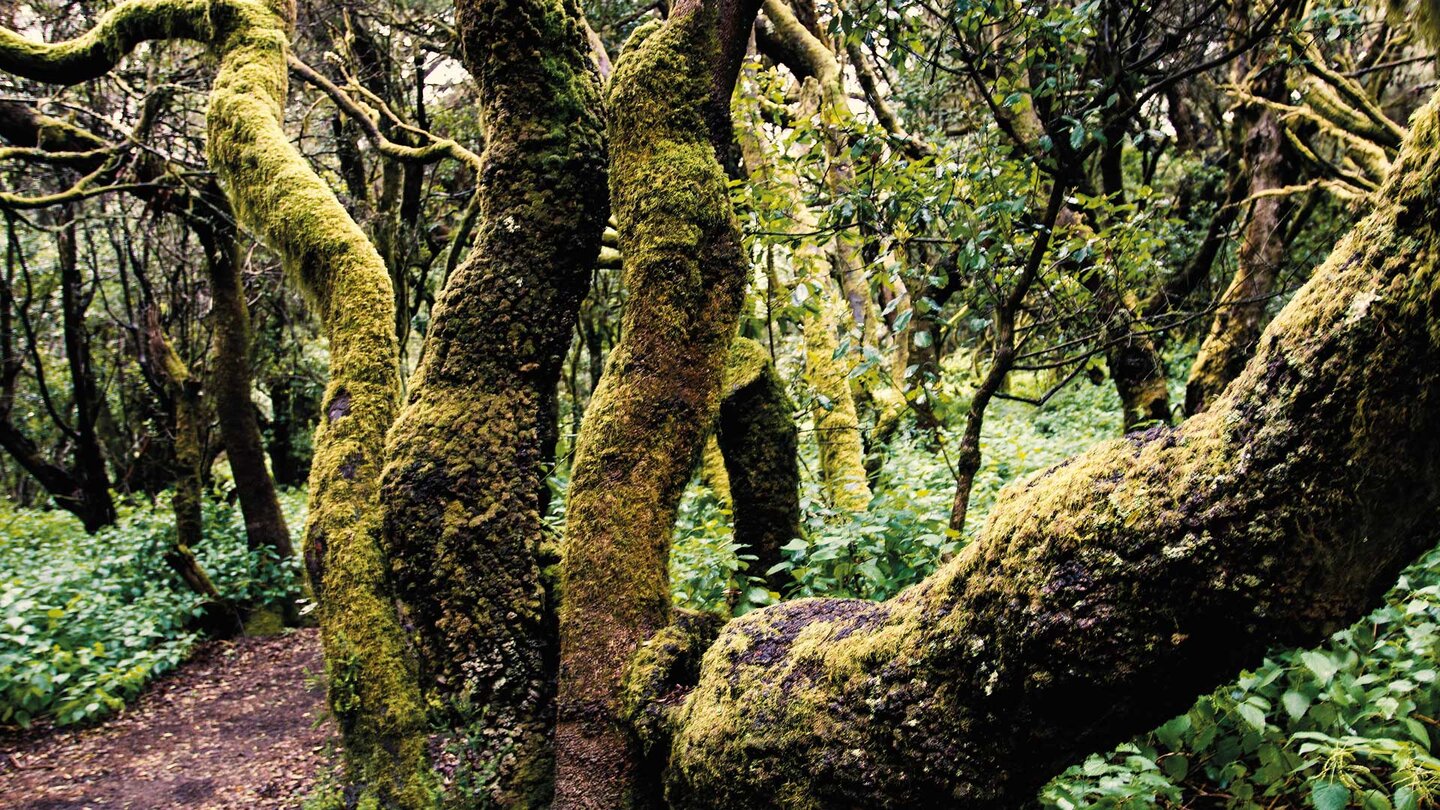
(89, 619)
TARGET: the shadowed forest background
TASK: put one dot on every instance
(805, 403)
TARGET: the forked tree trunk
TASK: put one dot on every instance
(464, 466)
(1109, 590)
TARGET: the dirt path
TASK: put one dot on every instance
(235, 727)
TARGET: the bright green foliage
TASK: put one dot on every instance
(902, 538)
(88, 620)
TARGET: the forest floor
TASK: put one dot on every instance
(236, 726)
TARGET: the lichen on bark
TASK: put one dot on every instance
(1110, 589)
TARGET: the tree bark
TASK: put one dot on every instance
(1109, 590)
(464, 471)
(760, 446)
(231, 377)
(685, 271)
(1241, 309)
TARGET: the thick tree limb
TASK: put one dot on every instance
(1109, 590)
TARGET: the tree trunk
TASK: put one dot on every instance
(288, 412)
(757, 438)
(1136, 368)
(1109, 590)
(685, 271)
(183, 391)
(464, 470)
(97, 507)
(1241, 310)
(231, 379)
(833, 408)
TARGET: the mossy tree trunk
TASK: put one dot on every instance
(1109, 590)
(685, 271)
(372, 686)
(187, 415)
(1240, 313)
(833, 408)
(462, 517)
(231, 377)
(811, 58)
(760, 446)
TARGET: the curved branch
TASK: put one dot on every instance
(437, 149)
(97, 51)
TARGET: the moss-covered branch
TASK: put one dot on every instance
(119, 30)
(434, 150)
(1109, 590)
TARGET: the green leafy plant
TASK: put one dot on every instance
(87, 620)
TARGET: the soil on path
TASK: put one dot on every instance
(234, 727)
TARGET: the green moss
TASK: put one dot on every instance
(643, 430)
(661, 673)
(466, 459)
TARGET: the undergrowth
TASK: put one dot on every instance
(87, 620)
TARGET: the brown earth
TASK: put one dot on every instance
(234, 727)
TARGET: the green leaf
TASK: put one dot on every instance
(1321, 664)
(1329, 796)
(1296, 704)
(1252, 715)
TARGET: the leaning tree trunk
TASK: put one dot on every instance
(464, 469)
(1241, 310)
(685, 271)
(231, 376)
(759, 444)
(372, 686)
(1109, 590)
